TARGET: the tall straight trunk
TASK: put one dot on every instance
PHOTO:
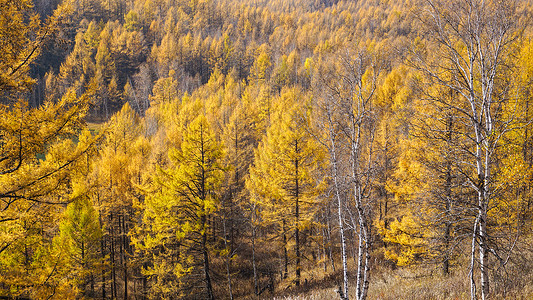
(102, 250)
(364, 231)
(124, 256)
(298, 259)
(84, 266)
(473, 292)
(113, 262)
(365, 268)
(256, 283)
(366, 275)
(297, 217)
(483, 162)
(332, 146)
(205, 220)
(355, 149)
(237, 184)
(228, 257)
(120, 239)
(448, 197)
(360, 261)
(483, 256)
(363, 249)
(483, 247)
(125, 282)
(285, 254)
(344, 295)
(207, 277)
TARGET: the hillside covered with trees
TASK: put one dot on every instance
(254, 149)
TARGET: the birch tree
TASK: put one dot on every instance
(471, 43)
(349, 121)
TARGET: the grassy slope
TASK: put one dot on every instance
(419, 282)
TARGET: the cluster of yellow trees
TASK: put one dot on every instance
(244, 145)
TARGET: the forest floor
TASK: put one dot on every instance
(410, 284)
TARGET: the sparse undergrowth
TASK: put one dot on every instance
(419, 282)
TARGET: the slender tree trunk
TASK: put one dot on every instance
(363, 234)
(228, 257)
(366, 253)
(330, 244)
(332, 145)
(297, 217)
(355, 144)
(344, 295)
(448, 199)
(353, 247)
(113, 263)
(124, 256)
(207, 277)
(363, 249)
(483, 257)
(473, 292)
(366, 275)
(360, 259)
(285, 254)
(102, 249)
(483, 161)
(84, 266)
(256, 286)
(298, 259)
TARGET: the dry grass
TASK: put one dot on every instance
(417, 283)
(94, 127)
(316, 294)
(398, 284)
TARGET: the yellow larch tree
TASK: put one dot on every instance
(178, 214)
(116, 177)
(283, 175)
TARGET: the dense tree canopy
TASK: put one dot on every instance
(172, 149)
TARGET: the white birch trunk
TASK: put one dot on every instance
(473, 292)
(344, 295)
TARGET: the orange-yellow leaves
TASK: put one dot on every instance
(408, 242)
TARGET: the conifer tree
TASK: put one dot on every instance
(284, 174)
(22, 36)
(178, 215)
(116, 177)
(79, 244)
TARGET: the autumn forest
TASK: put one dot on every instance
(266, 149)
